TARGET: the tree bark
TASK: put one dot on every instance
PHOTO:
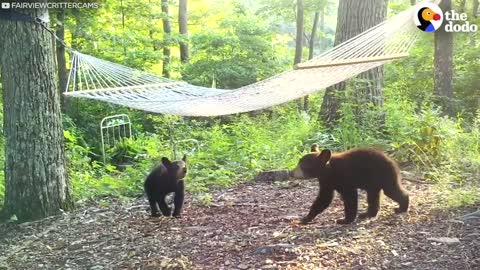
(299, 34)
(183, 29)
(354, 17)
(443, 65)
(461, 6)
(313, 35)
(311, 48)
(167, 30)
(323, 44)
(35, 175)
(475, 12)
(61, 60)
(151, 32)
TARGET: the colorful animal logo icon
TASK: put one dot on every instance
(429, 17)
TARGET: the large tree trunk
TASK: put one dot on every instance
(299, 43)
(353, 18)
(167, 30)
(60, 51)
(183, 28)
(443, 59)
(35, 175)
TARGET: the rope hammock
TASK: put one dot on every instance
(102, 80)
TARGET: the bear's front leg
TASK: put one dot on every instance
(153, 208)
(178, 200)
(350, 201)
(322, 201)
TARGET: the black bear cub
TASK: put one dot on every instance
(166, 178)
(345, 172)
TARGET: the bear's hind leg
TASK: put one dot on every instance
(397, 194)
(350, 200)
(166, 211)
(373, 200)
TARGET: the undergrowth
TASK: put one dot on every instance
(227, 150)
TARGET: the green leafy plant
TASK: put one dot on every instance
(124, 152)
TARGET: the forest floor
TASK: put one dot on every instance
(248, 227)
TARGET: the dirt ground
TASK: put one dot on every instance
(248, 227)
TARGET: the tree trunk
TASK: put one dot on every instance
(311, 47)
(154, 44)
(183, 28)
(323, 43)
(151, 32)
(313, 36)
(353, 18)
(299, 35)
(123, 29)
(61, 61)
(476, 12)
(167, 30)
(461, 6)
(443, 62)
(299, 43)
(35, 175)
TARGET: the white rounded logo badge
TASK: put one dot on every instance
(428, 17)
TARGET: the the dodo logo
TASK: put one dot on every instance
(429, 17)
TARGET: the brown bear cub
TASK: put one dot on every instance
(345, 172)
(166, 178)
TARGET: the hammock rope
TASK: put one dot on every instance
(102, 80)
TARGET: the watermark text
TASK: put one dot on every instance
(49, 5)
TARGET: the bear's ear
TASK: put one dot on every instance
(325, 156)
(184, 159)
(314, 148)
(166, 161)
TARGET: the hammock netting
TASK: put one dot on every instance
(102, 80)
